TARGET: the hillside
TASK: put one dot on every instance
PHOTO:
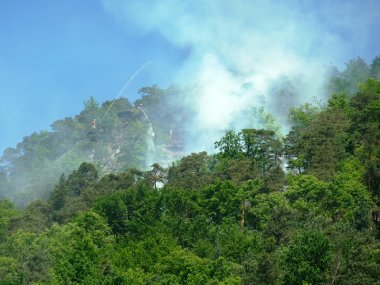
(114, 136)
(161, 126)
(303, 208)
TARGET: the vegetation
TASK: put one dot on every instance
(302, 209)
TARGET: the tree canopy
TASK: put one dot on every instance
(303, 208)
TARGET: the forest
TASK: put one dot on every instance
(110, 196)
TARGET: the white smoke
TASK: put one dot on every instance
(238, 48)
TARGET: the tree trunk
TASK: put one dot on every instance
(242, 213)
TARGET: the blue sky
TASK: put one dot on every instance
(55, 54)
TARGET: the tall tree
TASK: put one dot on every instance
(230, 145)
(263, 147)
(191, 172)
(365, 131)
(307, 259)
(374, 71)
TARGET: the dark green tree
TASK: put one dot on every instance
(7, 212)
(348, 81)
(156, 176)
(263, 147)
(365, 131)
(307, 259)
(191, 172)
(326, 140)
(294, 143)
(374, 70)
(230, 145)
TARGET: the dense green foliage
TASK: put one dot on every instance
(234, 217)
(114, 137)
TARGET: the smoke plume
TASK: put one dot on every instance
(246, 55)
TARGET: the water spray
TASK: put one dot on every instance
(146, 117)
(125, 86)
(140, 107)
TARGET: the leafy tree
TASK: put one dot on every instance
(375, 68)
(115, 212)
(57, 197)
(36, 218)
(156, 175)
(191, 172)
(230, 145)
(275, 179)
(18, 246)
(8, 271)
(89, 113)
(143, 210)
(263, 147)
(302, 116)
(7, 212)
(365, 131)
(79, 250)
(307, 259)
(271, 215)
(356, 256)
(248, 154)
(306, 192)
(349, 198)
(84, 177)
(234, 243)
(268, 269)
(327, 140)
(318, 143)
(339, 102)
(111, 183)
(183, 267)
(222, 201)
(67, 199)
(237, 170)
(348, 81)
(5, 187)
(294, 143)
